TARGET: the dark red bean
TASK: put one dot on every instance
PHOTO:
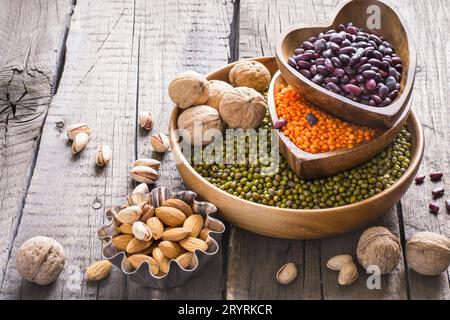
(339, 73)
(280, 123)
(376, 99)
(390, 83)
(393, 95)
(352, 89)
(336, 62)
(311, 119)
(318, 79)
(438, 192)
(436, 176)
(347, 50)
(383, 91)
(305, 73)
(361, 62)
(386, 102)
(383, 73)
(419, 178)
(378, 55)
(396, 60)
(374, 62)
(369, 74)
(320, 45)
(304, 65)
(394, 73)
(361, 44)
(332, 79)
(322, 70)
(364, 67)
(336, 38)
(327, 53)
(375, 38)
(340, 27)
(330, 31)
(299, 51)
(308, 45)
(352, 30)
(349, 70)
(292, 62)
(345, 59)
(384, 66)
(335, 47)
(345, 79)
(333, 87)
(399, 68)
(346, 43)
(434, 208)
(354, 60)
(320, 61)
(312, 39)
(329, 65)
(360, 79)
(371, 85)
(313, 70)
(306, 57)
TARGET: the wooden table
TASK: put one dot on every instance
(102, 62)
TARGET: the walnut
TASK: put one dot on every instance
(378, 246)
(40, 260)
(243, 108)
(428, 253)
(217, 89)
(250, 74)
(189, 89)
(197, 121)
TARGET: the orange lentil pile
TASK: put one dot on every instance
(328, 134)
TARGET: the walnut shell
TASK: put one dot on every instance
(378, 246)
(217, 89)
(40, 260)
(243, 108)
(250, 74)
(428, 253)
(197, 121)
(189, 89)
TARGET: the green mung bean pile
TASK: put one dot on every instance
(283, 189)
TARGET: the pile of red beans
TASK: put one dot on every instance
(348, 61)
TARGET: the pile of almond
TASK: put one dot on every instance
(156, 236)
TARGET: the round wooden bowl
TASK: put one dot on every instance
(313, 166)
(290, 223)
(393, 29)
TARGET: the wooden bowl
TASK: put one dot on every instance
(313, 166)
(393, 29)
(289, 223)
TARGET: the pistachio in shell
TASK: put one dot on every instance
(189, 89)
(243, 107)
(200, 123)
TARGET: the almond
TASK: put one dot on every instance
(129, 214)
(121, 242)
(204, 234)
(149, 250)
(162, 260)
(137, 259)
(176, 234)
(185, 259)
(136, 246)
(180, 205)
(156, 227)
(191, 244)
(171, 217)
(148, 211)
(125, 228)
(195, 223)
(170, 249)
(98, 270)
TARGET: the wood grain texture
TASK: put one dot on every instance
(68, 194)
(32, 36)
(177, 36)
(431, 98)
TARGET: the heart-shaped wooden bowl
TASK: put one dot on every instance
(290, 223)
(392, 28)
(313, 166)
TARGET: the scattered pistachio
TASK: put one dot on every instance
(79, 142)
(348, 274)
(337, 262)
(141, 188)
(146, 120)
(287, 273)
(160, 142)
(104, 155)
(77, 128)
(152, 163)
(144, 174)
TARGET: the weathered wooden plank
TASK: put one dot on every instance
(98, 87)
(254, 260)
(176, 36)
(429, 21)
(32, 36)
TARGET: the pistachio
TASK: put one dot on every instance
(147, 212)
(170, 249)
(104, 155)
(144, 174)
(141, 188)
(136, 198)
(74, 129)
(287, 273)
(337, 262)
(146, 120)
(195, 223)
(156, 227)
(162, 260)
(79, 142)
(152, 163)
(348, 274)
(185, 259)
(141, 231)
(129, 214)
(160, 142)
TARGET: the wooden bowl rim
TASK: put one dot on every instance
(390, 110)
(416, 156)
(303, 155)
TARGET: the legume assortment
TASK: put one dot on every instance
(315, 131)
(284, 189)
(359, 65)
